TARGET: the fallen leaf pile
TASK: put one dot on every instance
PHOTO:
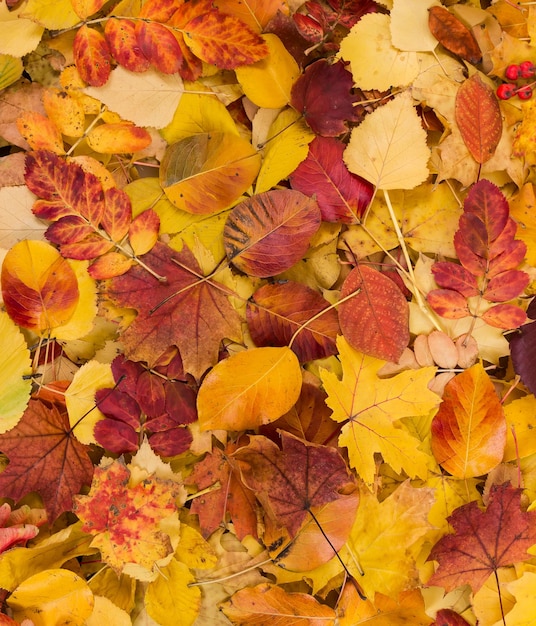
(267, 319)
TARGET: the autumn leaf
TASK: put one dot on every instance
(522, 346)
(92, 56)
(116, 503)
(371, 423)
(265, 603)
(375, 320)
(453, 34)
(469, 430)
(56, 465)
(483, 541)
(164, 310)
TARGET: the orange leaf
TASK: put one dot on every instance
(124, 516)
(121, 137)
(479, 118)
(143, 231)
(121, 37)
(268, 233)
(92, 56)
(469, 430)
(224, 40)
(159, 44)
(109, 265)
(39, 287)
(40, 132)
(254, 13)
(376, 320)
(65, 112)
(453, 35)
(207, 172)
(267, 604)
(159, 10)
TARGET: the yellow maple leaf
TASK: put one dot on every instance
(386, 538)
(373, 408)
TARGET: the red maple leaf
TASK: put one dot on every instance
(44, 457)
(187, 311)
(483, 541)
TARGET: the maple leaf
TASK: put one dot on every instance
(483, 541)
(55, 465)
(168, 312)
(124, 515)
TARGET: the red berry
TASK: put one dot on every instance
(527, 69)
(525, 92)
(506, 91)
(512, 72)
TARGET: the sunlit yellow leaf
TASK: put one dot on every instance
(65, 112)
(169, 600)
(54, 16)
(193, 550)
(198, 113)
(80, 398)
(409, 25)
(10, 70)
(267, 83)
(374, 62)
(238, 393)
(389, 147)
(119, 137)
(14, 364)
(208, 172)
(285, 148)
(106, 612)
(52, 597)
(18, 35)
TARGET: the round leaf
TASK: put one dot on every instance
(249, 389)
(270, 232)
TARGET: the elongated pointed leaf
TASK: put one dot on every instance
(92, 56)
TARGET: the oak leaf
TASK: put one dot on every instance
(125, 516)
(483, 541)
(371, 423)
(167, 312)
(56, 465)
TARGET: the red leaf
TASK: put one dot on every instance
(376, 320)
(276, 311)
(523, 349)
(448, 303)
(159, 10)
(150, 393)
(341, 196)
(487, 202)
(471, 261)
(55, 465)
(88, 248)
(453, 35)
(118, 214)
(327, 111)
(505, 316)
(92, 56)
(115, 436)
(160, 46)
(483, 541)
(308, 27)
(447, 617)
(452, 276)
(68, 229)
(224, 40)
(509, 259)
(168, 311)
(268, 233)
(479, 118)
(506, 286)
(121, 37)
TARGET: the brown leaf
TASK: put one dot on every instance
(376, 320)
(54, 464)
(453, 35)
(479, 118)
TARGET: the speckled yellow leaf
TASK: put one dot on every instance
(523, 210)
(521, 420)
(66, 112)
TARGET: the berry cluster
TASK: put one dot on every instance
(524, 70)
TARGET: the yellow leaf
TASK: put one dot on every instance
(523, 210)
(207, 173)
(10, 70)
(386, 539)
(249, 388)
(66, 112)
(267, 83)
(409, 25)
(285, 148)
(118, 137)
(521, 420)
(40, 132)
(106, 612)
(194, 551)
(120, 589)
(56, 16)
(198, 113)
(18, 35)
(52, 597)
(170, 600)
(374, 62)
(372, 420)
(80, 398)
(523, 612)
(14, 364)
(146, 99)
(389, 147)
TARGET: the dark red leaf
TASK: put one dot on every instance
(327, 111)
(506, 286)
(448, 303)
(453, 276)
(115, 436)
(448, 617)
(150, 394)
(341, 196)
(523, 351)
(121, 37)
(488, 203)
